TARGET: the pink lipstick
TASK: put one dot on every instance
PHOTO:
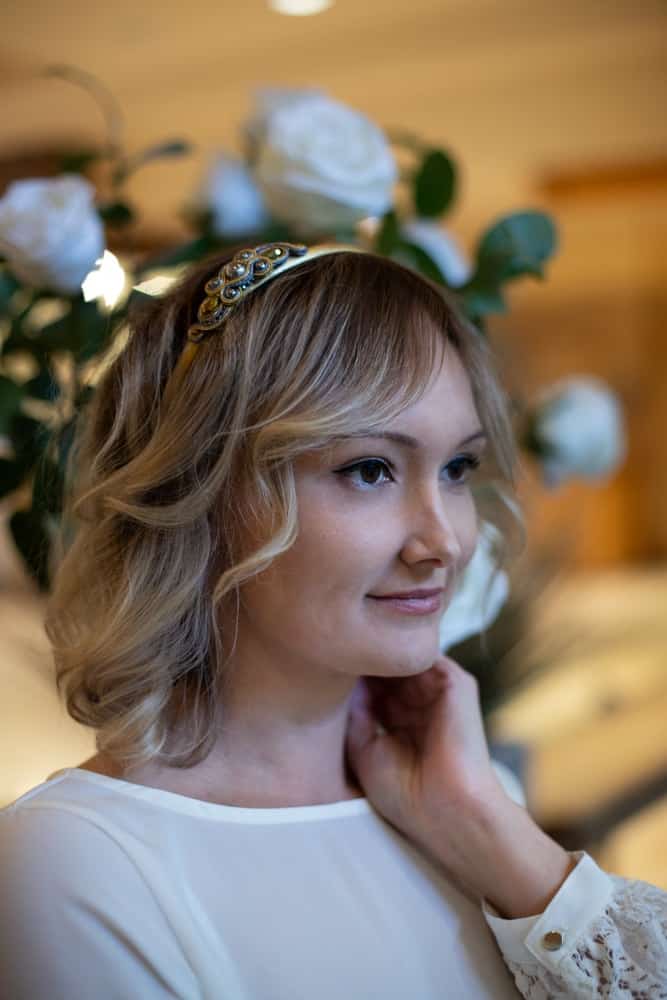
(427, 603)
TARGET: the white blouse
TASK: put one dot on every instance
(111, 891)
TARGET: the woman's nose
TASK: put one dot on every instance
(433, 535)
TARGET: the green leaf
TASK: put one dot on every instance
(388, 235)
(77, 163)
(478, 322)
(60, 335)
(434, 184)
(173, 147)
(530, 440)
(11, 394)
(8, 285)
(183, 254)
(200, 219)
(12, 475)
(42, 386)
(83, 396)
(345, 236)
(481, 301)
(28, 438)
(40, 341)
(116, 213)
(18, 342)
(277, 232)
(47, 487)
(93, 330)
(423, 261)
(31, 537)
(517, 244)
(83, 331)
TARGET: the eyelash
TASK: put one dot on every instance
(470, 463)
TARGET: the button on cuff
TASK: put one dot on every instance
(553, 940)
(577, 904)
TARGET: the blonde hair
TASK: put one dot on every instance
(172, 466)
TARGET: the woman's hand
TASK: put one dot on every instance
(433, 758)
(430, 775)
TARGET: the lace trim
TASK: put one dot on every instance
(623, 955)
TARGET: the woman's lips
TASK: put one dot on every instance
(411, 605)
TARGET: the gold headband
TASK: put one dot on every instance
(248, 269)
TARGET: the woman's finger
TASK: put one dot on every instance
(414, 692)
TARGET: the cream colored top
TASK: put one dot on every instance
(110, 889)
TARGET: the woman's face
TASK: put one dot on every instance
(375, 517)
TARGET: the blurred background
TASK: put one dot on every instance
(544, 105)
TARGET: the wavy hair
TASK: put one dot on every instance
(174, 468)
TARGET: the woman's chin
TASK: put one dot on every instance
(415, 661)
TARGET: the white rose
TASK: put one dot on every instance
(267, 101)
(480, 595)
(50, 232)
(322, 166)
(578, 422)
(230, 193)
(441, 247)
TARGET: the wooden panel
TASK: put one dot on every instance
(601, 312)
(512, 89)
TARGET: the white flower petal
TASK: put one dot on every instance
(230, 192)
(579, 422)
(482, 592)
(50, 231)
(322, 165)
(267, 100)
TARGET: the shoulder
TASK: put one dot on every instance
(76, 908)
(55, 840)
(47, 847)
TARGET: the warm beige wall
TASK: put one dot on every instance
(514, 90)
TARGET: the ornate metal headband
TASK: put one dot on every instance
(247, 270)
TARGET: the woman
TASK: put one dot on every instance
(293, 795)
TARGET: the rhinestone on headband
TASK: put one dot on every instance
(234, 280)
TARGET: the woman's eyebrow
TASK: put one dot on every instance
(404, 439)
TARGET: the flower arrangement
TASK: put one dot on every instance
(310, 169)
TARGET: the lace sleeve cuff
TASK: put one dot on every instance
(549, 937)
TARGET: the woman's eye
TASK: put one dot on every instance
(463, 465)
(367, 471)
(374, 464)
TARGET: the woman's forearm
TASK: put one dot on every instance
(499, 852)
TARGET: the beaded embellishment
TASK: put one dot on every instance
(247, 269)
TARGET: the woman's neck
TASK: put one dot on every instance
(210, 785)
